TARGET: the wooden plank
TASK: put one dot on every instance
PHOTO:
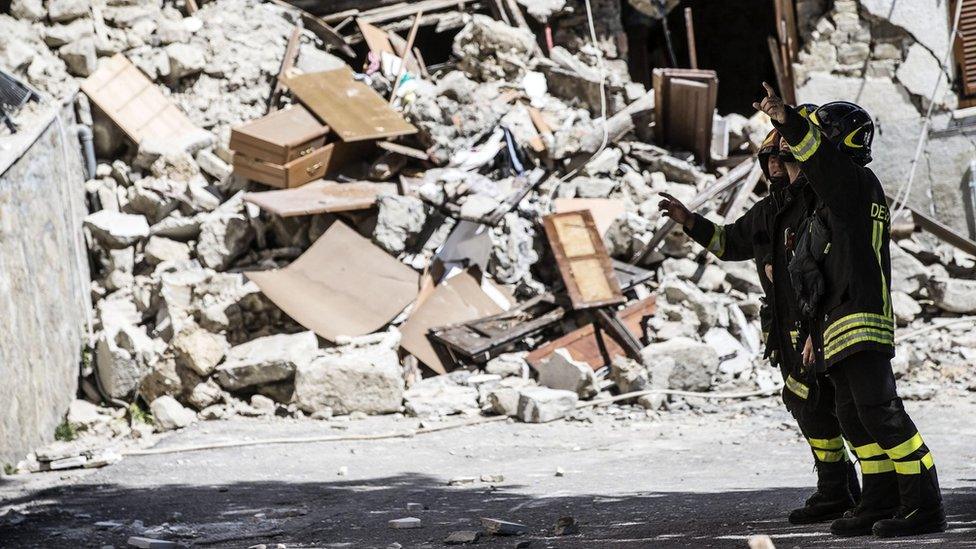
(742, 194)
(320, 28)
(320, 197)
(582, 259)
(287, 63)
(690, 31)
(352, 109)
(134, 103)
(724, 183)
(938, 230)
(403, 150)
(588, 343)
(403, 66)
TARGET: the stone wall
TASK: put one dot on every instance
(44, 281)
(885, 55)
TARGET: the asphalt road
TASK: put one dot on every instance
(684, 479)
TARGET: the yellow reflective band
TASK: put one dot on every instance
(717, 244)
(875, 467)
(794, 335)
(827, 456)
(881, 328)
(860, 334)
(878, 233)
(869, 451)
(914, 466)
(849, 143)
(808, 145)
(871, 338)
(843, 322)
(906, 448)
(797, 388)
(835, 443)
(813, 118)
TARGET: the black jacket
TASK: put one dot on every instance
(856, 309)
(761, 235)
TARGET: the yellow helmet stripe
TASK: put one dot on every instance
(849, 143)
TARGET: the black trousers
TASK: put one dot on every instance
(895, 461)
(814, 410)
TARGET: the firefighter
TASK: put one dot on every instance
(852, 330)
(753, 236)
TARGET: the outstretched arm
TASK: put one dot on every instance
(727, 242)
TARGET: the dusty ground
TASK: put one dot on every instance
(685, 479)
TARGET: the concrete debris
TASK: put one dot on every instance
(462, 537)
(266, 359)
(169, 414)
(496, 527)
(405, 523)
(169, 234)
(541, 404)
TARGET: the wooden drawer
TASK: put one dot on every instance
(296, 173)
(279, 137)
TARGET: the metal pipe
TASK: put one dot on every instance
(87, 141)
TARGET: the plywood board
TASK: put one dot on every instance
(457, 299)
(604, 210)
(352, 109)
(584, 344)
(321, 196)
(342, 285)
(134, 103)
(582, 259)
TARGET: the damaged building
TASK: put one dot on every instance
(311, 210)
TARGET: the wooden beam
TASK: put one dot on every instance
(403, 63)
(320, 28)
(937, 229)
(690, 31)
(287, 62)
(724, 183)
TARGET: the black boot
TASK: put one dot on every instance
(833, 496)
(921, 506)
(879, 501)
(912, 522)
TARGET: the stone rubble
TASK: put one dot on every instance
(181, 334)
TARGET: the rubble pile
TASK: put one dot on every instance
(182, 331)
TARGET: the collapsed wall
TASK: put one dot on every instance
(44, 285)
(886, 56)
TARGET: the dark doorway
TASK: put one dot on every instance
(731, 39)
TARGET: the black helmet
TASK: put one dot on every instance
(848, 126)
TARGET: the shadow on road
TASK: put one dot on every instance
(354, 513)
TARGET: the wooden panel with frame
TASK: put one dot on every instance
(582, 259)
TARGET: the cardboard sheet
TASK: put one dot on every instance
(352, 109)
(584, 343)
(604, 210)
(457, 299)
(342, 285)
(135, 104)
(321, 196)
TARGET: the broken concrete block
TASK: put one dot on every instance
(266, 359)
(504, 401)
(904, 307)
(61, 11)
(80, 56)
(496, 527)
(159, 249)
(162, 380)
(358, 380)
(541, 404)
(908, 274)
(204, 394)
(263, 404)
(629, 375)
(56, 36)
(184, 60)
(694, 363)
(508, 364)
(212, 165)
(84, 414)
(400, 218)
(560, 371)
(68, 463)
(492, 50)
(117, 230)
(223, 237)
(566, 526)
(199, 350)
(439, 396)
(462, 481)
(151, 543)
(954, 295)
(119, 369)
(462, 537)
(168, 414)
(31, 10)
(404, 523)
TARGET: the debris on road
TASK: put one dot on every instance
(332, 222)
